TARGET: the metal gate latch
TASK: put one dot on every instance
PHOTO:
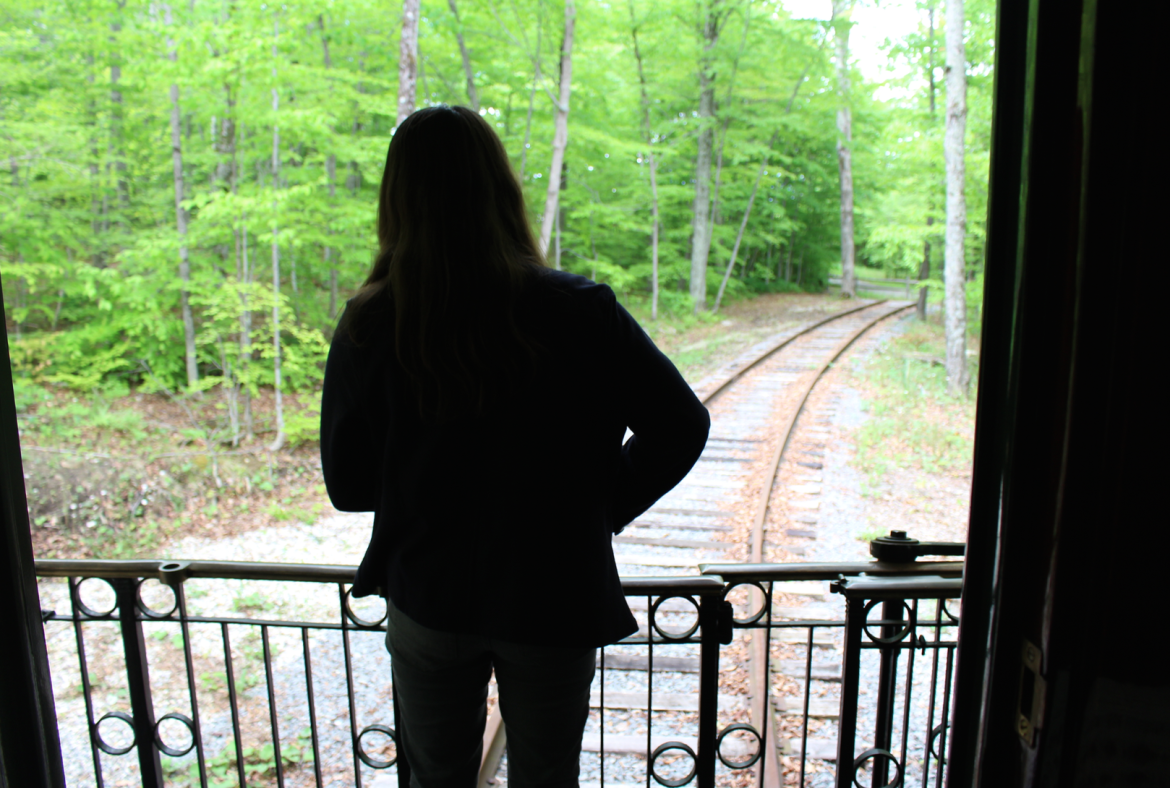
(1031, 701)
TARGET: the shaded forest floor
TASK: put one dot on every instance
(112, 476)
(121, 476)
(915, 445)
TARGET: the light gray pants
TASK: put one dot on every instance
(441, 685)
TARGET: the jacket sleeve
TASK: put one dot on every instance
(668, 422)
(351, 440)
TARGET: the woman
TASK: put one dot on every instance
(476, 402)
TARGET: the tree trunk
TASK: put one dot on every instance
(181, 214)
(654, 237)
(930, 58)
(278, 441)
(716, 206)
(564, 181)
(648, 136)
(560, 129)
(701, 214)
(955, 294)
(531, 101)
(96, 184)
(246, 331)
(407, 59)
(117, 154)
(924, 273)
(842, 10)
(924, 269)
(472, 93)
(243, 272)
(557, 256)
(331, 179)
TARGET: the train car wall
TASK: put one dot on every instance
(30, 751)
(1067, 523)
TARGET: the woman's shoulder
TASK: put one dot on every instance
(365, 322)
(562, 285)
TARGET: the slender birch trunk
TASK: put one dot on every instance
(246, 331)
(472, 93)
(117, 154)
(560, 129)
(278, 441)
(331, 181)
(924, 273)
(716, 206)
(557, 256)
(180, 213)
(243, 270)
(654, 215)
(531, 97)
(94, 169)
(331, 178)
(924, 269)
(536, 76)
(408, 59)
(842, 10)
(955, 292)
(648, 136)
(701, 215)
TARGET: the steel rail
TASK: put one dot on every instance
(715, 384)
(758, 669)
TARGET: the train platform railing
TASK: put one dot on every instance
(724, 684)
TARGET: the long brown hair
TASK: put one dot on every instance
(456, 253)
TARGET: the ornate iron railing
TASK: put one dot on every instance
(304, 698)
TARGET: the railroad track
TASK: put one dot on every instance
(755, 401)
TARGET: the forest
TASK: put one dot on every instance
(191, 186)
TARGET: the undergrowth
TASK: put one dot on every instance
(115, 473)
(913, 422)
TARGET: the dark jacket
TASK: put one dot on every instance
(501, 525)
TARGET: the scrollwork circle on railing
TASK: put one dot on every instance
(934, 734)
(764, 608)
(86, 609)
(673, 636)
(174, 752)
(873, 754)
(908, 624)
(356, 619)
(951, 617)
(102, 744)
(365, 757)
(667, 747)
(739, 726)
(150, 612)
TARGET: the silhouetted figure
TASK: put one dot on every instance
(476, 401)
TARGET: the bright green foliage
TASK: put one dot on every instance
(913, 422)
(905, 169)
(88, 242)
